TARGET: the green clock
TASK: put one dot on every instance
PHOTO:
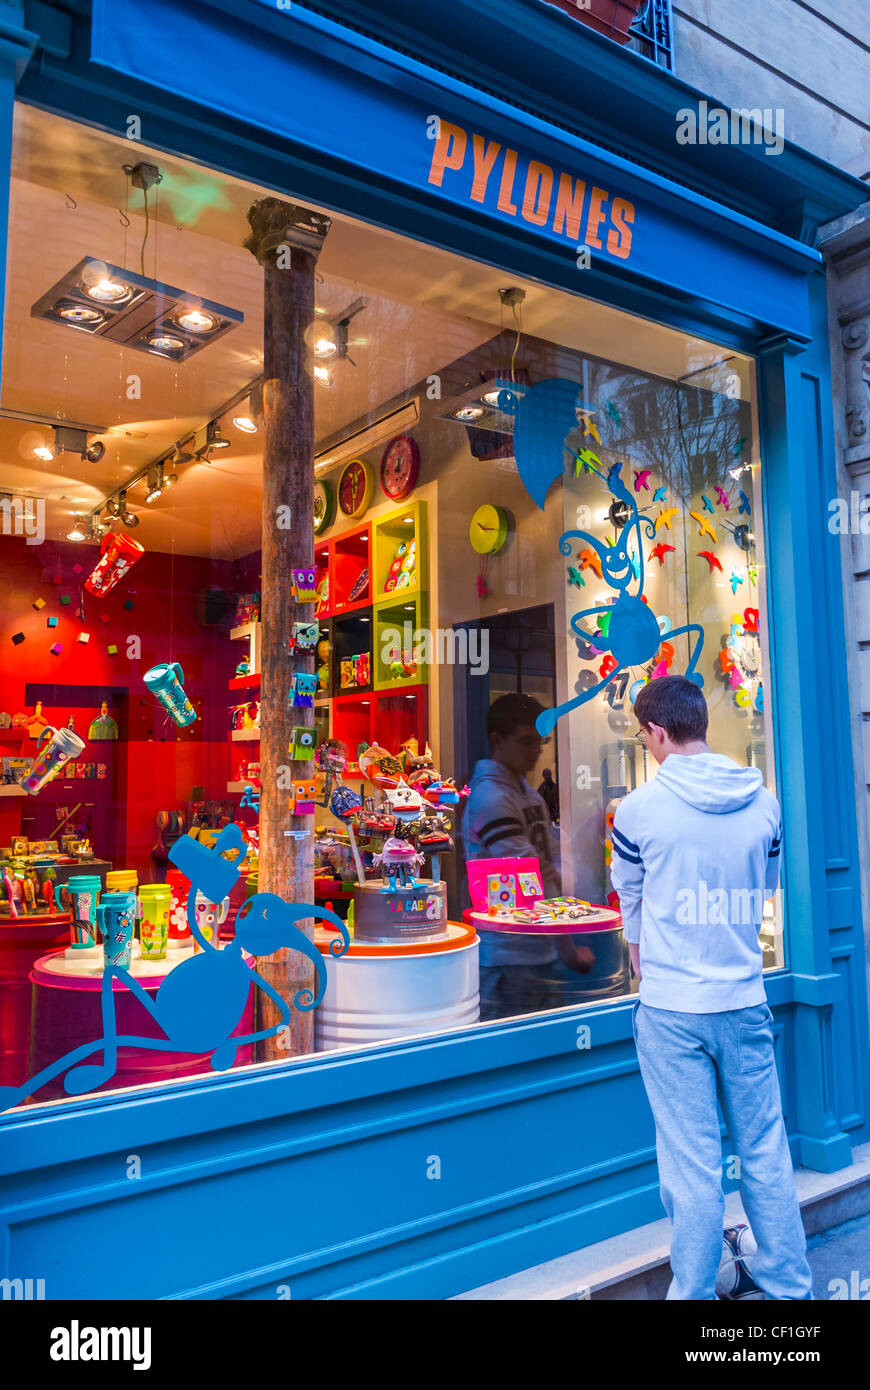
(489, 529)
(324, 506)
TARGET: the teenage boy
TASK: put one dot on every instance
(695, 853)
(505, 817)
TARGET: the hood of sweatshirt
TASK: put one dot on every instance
(710, 781)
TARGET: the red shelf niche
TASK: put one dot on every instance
(399, 715)
(351, 555)
(244, 683)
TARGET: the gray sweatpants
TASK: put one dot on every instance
(685, 1060)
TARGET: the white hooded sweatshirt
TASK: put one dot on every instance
(696, 851)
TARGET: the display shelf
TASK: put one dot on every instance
(239, 787)
(12, 789)
(400, 715)
(407, 524)
(245, 682)
(350, 555)
(351, 637)
(251, 631)
(245, 735)
(324, 691)
(352, 720)
(323, 565)
(405, 614)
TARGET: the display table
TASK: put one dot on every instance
(22, 941)
(610, 976)
(378, 991)
(66, 1012)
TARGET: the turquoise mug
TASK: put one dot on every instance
(81, 893)
(116, 919)
(166, 682)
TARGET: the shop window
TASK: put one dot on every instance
(142, 647)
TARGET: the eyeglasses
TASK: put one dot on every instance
(532, 741)
(641, 736)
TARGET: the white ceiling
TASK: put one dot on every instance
(426, 308)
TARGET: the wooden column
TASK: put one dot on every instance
(286, 241)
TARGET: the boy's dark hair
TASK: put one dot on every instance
(510, 712)
(676, 705)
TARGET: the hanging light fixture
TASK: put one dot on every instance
(44, 452)
(154, 484)
(214, 439)
(181, 456)
(79, 530)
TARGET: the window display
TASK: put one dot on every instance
(561, 512)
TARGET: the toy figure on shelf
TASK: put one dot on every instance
(103, 727)
(304, 637)
(303, 688)
(331, 759)
(398, 859)
(246, 716)
(405, 803)
(244, 667)
(401, 665)
(345, 803)
(403, 568)
(379, 766)
(302, 745)
(322, 662)
(304, 585)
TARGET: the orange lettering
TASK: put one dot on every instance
(507, 183)
(569, 206)
(539, 191)
(597, 199)
(449, 151)
(484, 158)
(619, 238)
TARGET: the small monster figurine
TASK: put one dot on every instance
(398, 859)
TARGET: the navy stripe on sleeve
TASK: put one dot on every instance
(491, 825)
(623, 840)
(629, 858)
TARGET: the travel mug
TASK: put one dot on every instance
(154, 900)
(209, 918)
(120, 553)
(180, 938)
(166, 681)
(116, 918)
(81, 893)
(63, 746)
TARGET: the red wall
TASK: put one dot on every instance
(157, 764)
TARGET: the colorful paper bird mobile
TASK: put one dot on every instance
(745, 504)
(641, 476)
(576, 578)
(735, 580)
(590, 427)
(660, 494)
(613, 413)
(660, 551)
(589, 558)
(704, 527)
(586, 462)
(712, 560)
(664, 517)
(738, 447)
(708, 505)
(722, 498)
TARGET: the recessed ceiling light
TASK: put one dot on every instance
(44, 452)
(195, 321)
(468, 412)
(108, 291)
(408, 520)
(245, 424)
(165, 342)
(491, 397)
(71, 312)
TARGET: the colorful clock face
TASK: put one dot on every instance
(489, 529)
(324, 506)
(400, 467)
(355, 487)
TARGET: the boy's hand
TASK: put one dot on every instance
(634, 957)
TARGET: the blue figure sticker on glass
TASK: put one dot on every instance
(202, 1000)
(544, 418)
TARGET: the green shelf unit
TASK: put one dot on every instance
(395, 612)
(407, 523)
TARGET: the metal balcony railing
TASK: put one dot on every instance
(652, 33)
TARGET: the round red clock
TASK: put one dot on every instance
(400, 467)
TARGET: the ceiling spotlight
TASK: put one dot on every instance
(78, 532)
(195, 321)
(214, 438)
(94, 451)
(44, 452)
(323, 376)
(180, 457)
(154, 486)
(108, 291)
(170, 480)
(245, 424)
(325, 340)
(113, 506)
(469, 412)
(130, 519)
(134, 311)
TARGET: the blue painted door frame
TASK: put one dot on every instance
(435, 1165)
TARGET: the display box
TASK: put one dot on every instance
(400, 542)
(397, 625)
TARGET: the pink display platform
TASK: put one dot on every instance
(66, 1013)
(604, 918)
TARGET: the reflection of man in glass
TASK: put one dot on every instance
(504, 818)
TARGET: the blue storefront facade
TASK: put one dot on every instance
(317, 1173)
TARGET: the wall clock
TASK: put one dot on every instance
(355, 488)
(489, 529)
(324, 506)
(400, 467)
